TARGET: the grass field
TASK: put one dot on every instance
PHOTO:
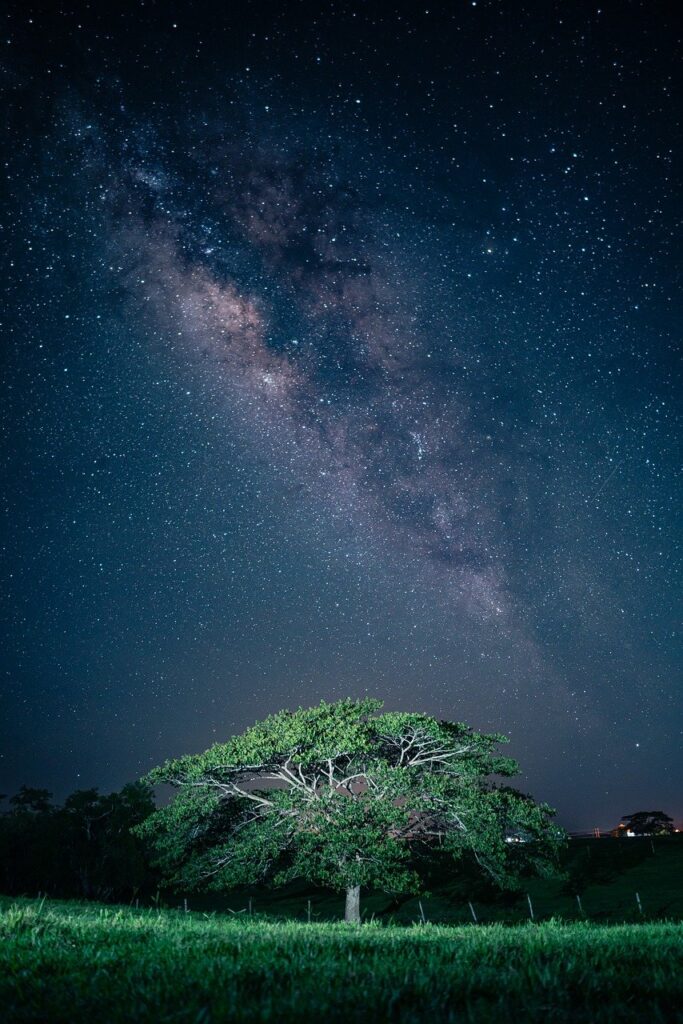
(71, 962)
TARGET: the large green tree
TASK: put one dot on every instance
(347, 797)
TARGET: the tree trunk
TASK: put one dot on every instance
(352, 909)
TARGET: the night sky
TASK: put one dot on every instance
(339, 358)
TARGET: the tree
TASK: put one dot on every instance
(343, 796)
(103, 856)
(27, 833)
(647, 823)
(83, 848)
(31, 801)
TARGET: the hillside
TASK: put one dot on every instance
(605, 873)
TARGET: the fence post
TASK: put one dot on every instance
(250, 906)
(308, 911)
(185, 904)
(473, 913)
(531, 907)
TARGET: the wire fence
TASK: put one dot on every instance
(626, 906)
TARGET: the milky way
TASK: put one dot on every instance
(332, 372)
(365, 406)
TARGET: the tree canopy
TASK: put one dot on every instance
(647, 823)
(82, 848)
(345, 796)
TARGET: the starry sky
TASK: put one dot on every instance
(340, 358)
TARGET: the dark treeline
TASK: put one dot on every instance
(82, 848)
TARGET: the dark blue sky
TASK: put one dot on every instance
(340, 358)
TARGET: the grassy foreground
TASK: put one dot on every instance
(85, 962)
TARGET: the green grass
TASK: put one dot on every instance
(70, 962)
